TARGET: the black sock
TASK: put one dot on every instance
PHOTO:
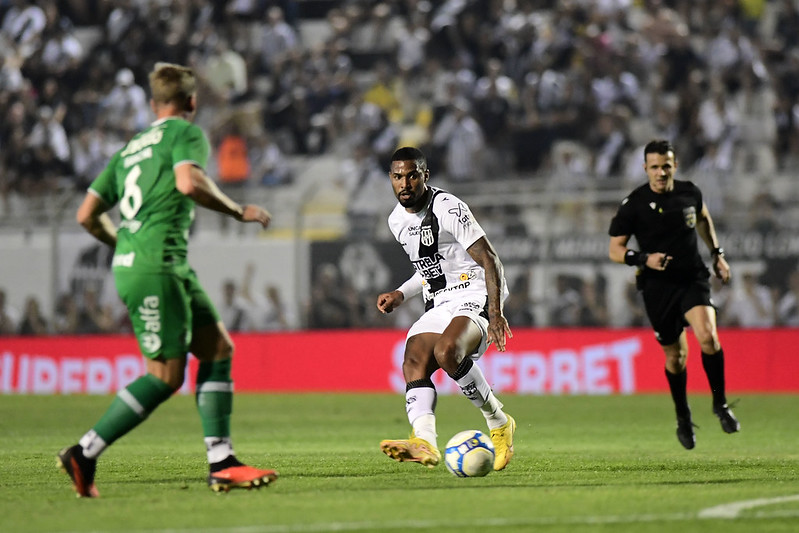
(677, 385)
(714, 369)
(463, 368)
(228, 462)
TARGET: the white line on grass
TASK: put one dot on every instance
(332, 527)
(732, 510)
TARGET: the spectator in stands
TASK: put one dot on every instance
(267, 308)
(11, 78)
(278, 40)
(751, 305)
(50, 144)
(383, 92)
(225, 70)
(234, 311)
(333, 303)
(363, 179)
(62, 52)
(9, 317)
(594, 309)
(233, 164)
(67, 315)
(566, 304)
(33, 322)
(126, 105)
(788, 304)
(94, 317)
(90, 152)
(495, 97)
(268, 162)
(23, 24)
(460, 138)
(519, 304)
(377, 32)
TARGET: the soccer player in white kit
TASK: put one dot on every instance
(461, 278)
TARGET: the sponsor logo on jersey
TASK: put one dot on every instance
(459, 286)
(150, 342)
(429, 267)
(470, 306)
(689, 213)
(123, 260)
(131, 225)
(462, 214)
(150, 314)
(471, 274)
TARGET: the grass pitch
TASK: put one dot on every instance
(599, 463)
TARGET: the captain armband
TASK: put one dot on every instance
(411, 287)
(634, 258)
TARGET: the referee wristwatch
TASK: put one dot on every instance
(717, 252)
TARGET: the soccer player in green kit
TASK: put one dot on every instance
(156, 180)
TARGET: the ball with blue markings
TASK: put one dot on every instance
(470, 453)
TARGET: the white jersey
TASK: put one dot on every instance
(437, 244)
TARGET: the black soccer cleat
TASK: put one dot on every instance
(80, 469)
(685, 432)
(728, 421)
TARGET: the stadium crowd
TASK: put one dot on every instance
(569, 90)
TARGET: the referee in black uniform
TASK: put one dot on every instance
(665, 215)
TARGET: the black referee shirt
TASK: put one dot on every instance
(664, 223)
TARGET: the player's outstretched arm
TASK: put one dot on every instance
(194, 183)
(483, 252)
(388, 301)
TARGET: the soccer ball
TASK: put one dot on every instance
(469, 454)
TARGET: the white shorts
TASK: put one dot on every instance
(438, 318)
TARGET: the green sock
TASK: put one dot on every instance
(214, 394)
(132, 404)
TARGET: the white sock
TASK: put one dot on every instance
(419, 402)
(93, 444)
(424, 427)
(218, 448)
(492, 411)
(475, 387)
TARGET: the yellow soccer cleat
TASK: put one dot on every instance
(502, 437)
(413, 450)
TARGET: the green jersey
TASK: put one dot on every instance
(155, 216)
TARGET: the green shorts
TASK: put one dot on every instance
(165, 309)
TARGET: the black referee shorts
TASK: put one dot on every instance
(667, 301)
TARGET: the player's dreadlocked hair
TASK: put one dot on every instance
(171, 83)
(410, 153)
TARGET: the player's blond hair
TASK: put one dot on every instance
(172, 83)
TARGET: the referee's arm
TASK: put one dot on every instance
(618, 248)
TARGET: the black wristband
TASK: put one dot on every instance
(717, 252)
(634, 258)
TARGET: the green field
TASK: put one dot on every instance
(582, 464)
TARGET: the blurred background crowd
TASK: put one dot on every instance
(532, 95)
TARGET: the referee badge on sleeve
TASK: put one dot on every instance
(689, 214)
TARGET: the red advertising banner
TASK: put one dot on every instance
(538, 361)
